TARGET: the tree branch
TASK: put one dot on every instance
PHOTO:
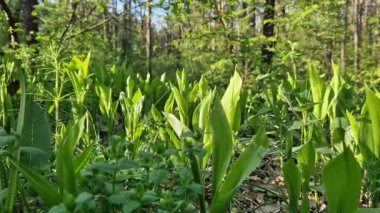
(70, 23)
(88, 29)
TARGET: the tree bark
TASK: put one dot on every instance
(127, 22)
(268, 31)
(11, 22)
(357, 33)
(148, 36)
(30, 22)
(344, 37)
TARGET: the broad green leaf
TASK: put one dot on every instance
(127, 164)
(248, 161)
(179, 128)
(155, 113)
(85, 66)
(342, 181)
(149, 196)
(83, 159)
(157, 176)
(66, 169)
(223, 141)
(130, 206)
(83, 198)
(372, 104)
(306, 161)
(292, 179)
(354, 126)
(35, 133)
(176, 142)
(204, 110)
(318, 87)
(182, 105)
(326, 102)
(122, 197)
(6, 139)
(40, 184)
(168, 108)
(207, 143)
(368, 210)
(231, 97)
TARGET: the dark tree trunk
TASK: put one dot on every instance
(343, 43)
(30, 22)
(148, 36)
(357, 33)
(11, 22)
(127, 22)
(268, 31)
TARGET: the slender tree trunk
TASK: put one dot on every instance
(344, 37)
(148, 36)
(268, 31)
(357, 33)
(11, 23)
(30, 22)
(114, 25)
(253, 19)
(127, 20)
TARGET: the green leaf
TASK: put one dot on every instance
(122, 197)
(66, 169)
(372, 104)
(231, 97)
(179, 128)
(59, 209)
(83, 159)
(354, 126)
(293, 184)
(158, 176)
(223, 141)
(306, 161)
(182, 105)
(35, 133)
(102, 167)
(342, 182)
(127, 164)
(317, 87)
(130, 206)
(368, 210)
(40, 184)
(204, 111)
(6, 139)
(83, 198)
(248, 161)
(149, 197)
(32, 151)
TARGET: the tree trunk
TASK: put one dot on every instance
(30, 22)
(127, 22)
(268, 31)
(148, 36)
(11, 22)
(114, 25)
(357, 33)
(344, 37)
(253, 19)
